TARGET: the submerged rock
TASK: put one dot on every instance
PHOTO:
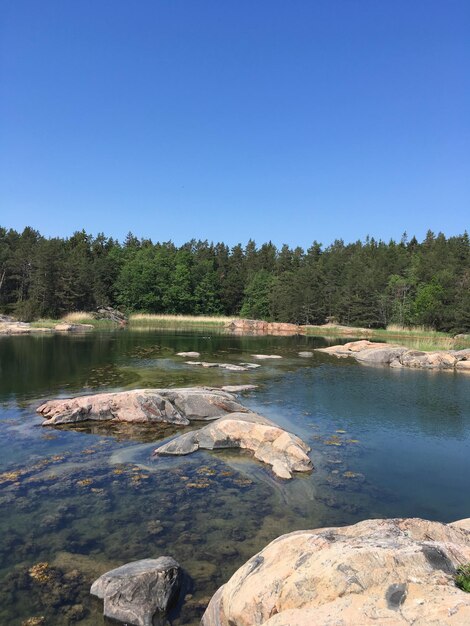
(374, 353)
(135, 592)
(238, 388)
(269, 443)
(174, 406)
(243, 367)
(394, 572)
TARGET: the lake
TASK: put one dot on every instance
(76, 501)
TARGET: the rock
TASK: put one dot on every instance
(374, 353)
(266, 356)
(462, 336)
(243, 367)
(238, 388)
(462, 523)
(190, 355)
(174, 406)
(380, 356)
(135, 592)
(269, 443)
(113, 315)
(73, 328)
(306, 354)
(10, 326)
(394, 572)
(260, 327)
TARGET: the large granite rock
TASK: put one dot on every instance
(174, 406)
(272, 445)
(374, 353)
(135, 592)
(393, 572)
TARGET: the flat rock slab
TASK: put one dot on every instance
(243, 367)
(305, 354)
(189, 355)
(272, 445)
(393, 572)
(375, 353)
(173, 406)
(266, 356)
(238, 388)
(136, 591)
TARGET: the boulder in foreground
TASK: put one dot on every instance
(272, 445)
(393, 572)
(173, 406)
(136, 591)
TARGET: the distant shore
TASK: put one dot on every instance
(420, 338)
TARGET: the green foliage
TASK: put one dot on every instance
(462, 579)
(371, 284)
(257, 302)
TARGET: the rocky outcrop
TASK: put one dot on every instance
(135, 592)
(259, 327)
(232, 425)
(272, 445)
(174, 406)
(113, 315)
(374, 353)
(394, 572)
(231, 367)
(10, 326)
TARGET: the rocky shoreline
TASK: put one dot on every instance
(372, 353)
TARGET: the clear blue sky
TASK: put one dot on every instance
(229, 119)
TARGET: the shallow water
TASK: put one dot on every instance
(385, 443)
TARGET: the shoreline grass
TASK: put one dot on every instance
(154, 320)
(74, 318)
(419, 338)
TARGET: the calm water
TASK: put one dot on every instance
(75, 502)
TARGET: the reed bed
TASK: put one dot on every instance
(155, 320)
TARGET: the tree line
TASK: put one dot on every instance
(366, 283)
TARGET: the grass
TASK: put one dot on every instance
(419, 337)
(462, 580)
(153, 320)
(78, 317)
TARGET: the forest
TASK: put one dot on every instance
(368, 283)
